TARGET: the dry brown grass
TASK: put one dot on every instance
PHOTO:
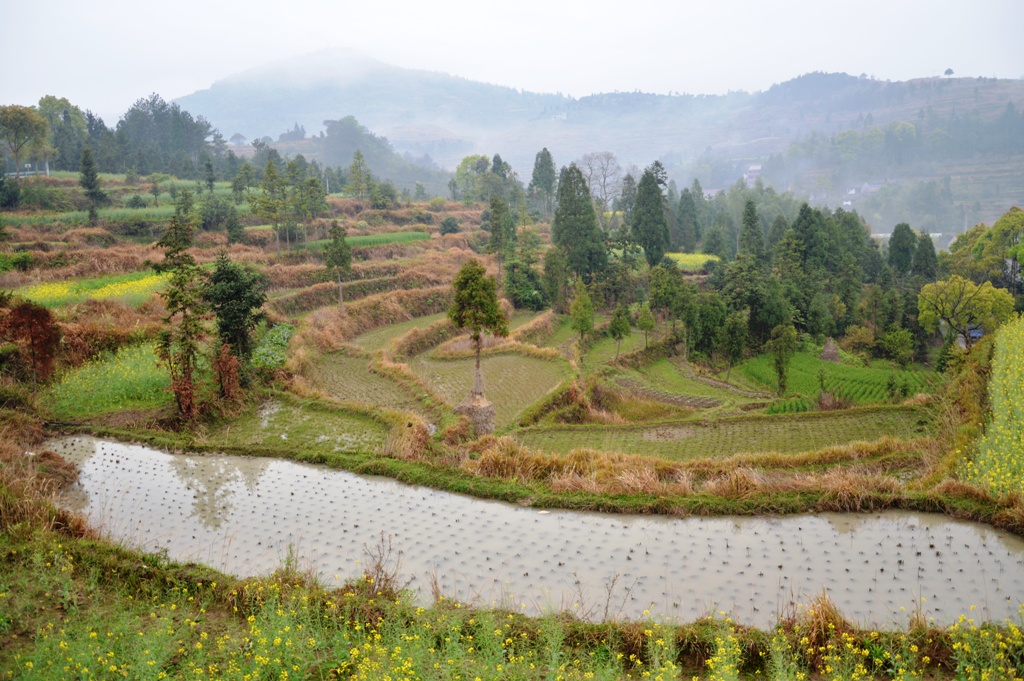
(418, 340)
(538, 328)
(28, 486)
(410, 442)
(740, 483)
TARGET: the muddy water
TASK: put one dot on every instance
(243, 515)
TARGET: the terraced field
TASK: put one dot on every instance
(862, 385)
(513, 382)
(690, 440)
(378, 338)
(348, 378)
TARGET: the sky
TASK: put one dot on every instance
(104, 55)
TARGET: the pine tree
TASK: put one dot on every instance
(925, 265)
(902, 245)
(752, 237)
(575, 228)
(89, 179)
(650, 229)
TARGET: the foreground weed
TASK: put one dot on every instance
(129, 379)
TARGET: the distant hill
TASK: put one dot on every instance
(714, 137)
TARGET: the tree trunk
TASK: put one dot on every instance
(478, 341)
(341, 294)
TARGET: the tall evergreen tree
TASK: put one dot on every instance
(925, 265)
(89, 179)
(574, 227)
(581, 312)
(650, 229)
(752, 237)
(685, 236)
(902, 245)
(503, 230)
(542, 182)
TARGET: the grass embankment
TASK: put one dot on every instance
(75, 607)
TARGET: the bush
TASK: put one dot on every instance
(437, 204)
(135, 201)
(422, 216)
(449, 226)
(272, 350)
(898, 345)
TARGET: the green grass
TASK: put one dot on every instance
(301, 426)
(861, 385)
(378, 338)
(132, 289)
(512, 382)
(691, 262)
(604, 349)
(130, 379)
(563, 334)
(694, 440)
(665, 375)
(371, 240)
(349, 379)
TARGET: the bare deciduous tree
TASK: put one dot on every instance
(603, 174)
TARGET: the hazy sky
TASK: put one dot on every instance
(105, 54)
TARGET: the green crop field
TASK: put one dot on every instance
(378, 338)
(512, 382)
(130, 379)
(371, 240)
(862, 385)
(563, 334)
(348, 378)
(132, 289)
(692, 440)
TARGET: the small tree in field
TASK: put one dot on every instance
(581, 312)
(645, 321)
(619, 328)
(178, 346)
(475, 306)
(236, 294)
(734, 338)
(782, 347)
(339, 257)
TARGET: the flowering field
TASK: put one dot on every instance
(692, 262)
(999, 464)
(131, 289)
(130, 379)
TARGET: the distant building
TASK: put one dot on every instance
(752, 175)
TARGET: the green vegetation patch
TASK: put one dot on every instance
(666, 375)
(603, 350)
(512, 382)
(129, 379)
(692, 262)
(307, 427)
(694, 440)
(349, 378)
(378, 338)
(370, 240)
(999, 464)
(132, 289)
(861, 385)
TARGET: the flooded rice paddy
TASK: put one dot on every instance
(244, 515)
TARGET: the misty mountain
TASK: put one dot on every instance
(713, 137)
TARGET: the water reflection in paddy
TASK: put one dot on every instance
(241, 515)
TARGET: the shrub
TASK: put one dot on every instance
(272, 350)
(422, 216)
(135, 201)
(437, 204)
(449, 225)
